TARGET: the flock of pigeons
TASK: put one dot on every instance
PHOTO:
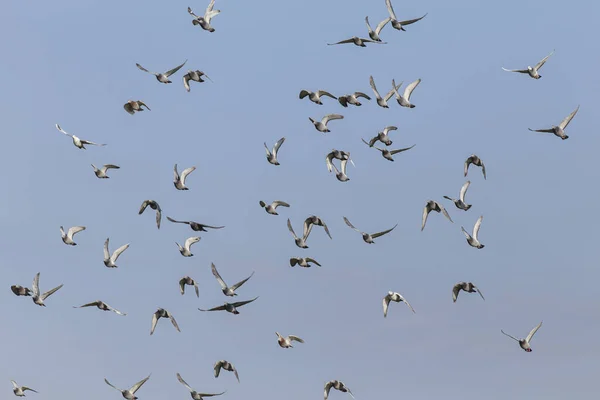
(179, 181)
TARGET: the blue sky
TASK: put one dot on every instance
(73, 63)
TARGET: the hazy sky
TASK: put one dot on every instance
(73, 63)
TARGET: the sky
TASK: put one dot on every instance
(73, 63)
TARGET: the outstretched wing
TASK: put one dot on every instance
(138, 385)
(388, 3)
(463, 190)
(408, 304)
(219, 308)
(144, 69)
(190, 241)
(154, 322)
(543, 61)
(361, 94)
(218, 276)
(331, 117)
(401, 150)
(175, 173)
(186, 80)
(533, 331)
(412, 21)
(350, 225)
(479, 291)
(60, 129)
(174, 322)
(476, 227)
(106, 253)
(455, 291)
(75, 229)
(192, 13)
(93, 303)
(240, 283)
(180, 379)
(186, 172)
(312, 260)
(277, 146)
(565, 122)
(296, 338)
(111, 385)
(50, 292)
(143, 206)
(426, 211)
(177, 68)
(35, 286)
(512, 337)
(289, 225)
(325, 93)
(368, 25)
(372, 83)
(382, 24)
(241, 303)
(118, 252)
(351, 40)
(522, 71)
(376, 235)
(409, 89)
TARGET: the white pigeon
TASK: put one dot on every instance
(162, 77)
(186, 280)
(67, 238)
(340, 174)
(37, 297)
(394, 296)
(272, 155)
(337, 385)
(532, 71)
(399, 25)
(129, 394)
(102, 306)
(525, 343)
(227, 366)
(475, 160)
(133, 106)
(79, 143)
(101, 172)
(195, 76)
(286, 341)
(196, 395)
(381, 101)
(321, 125)
(179, 180)
(374, 34)
(315, 97)
(110, 260)
(185, 250)
(153, 205)
(204, 21)
(20, 390)
(360, 42)
(560, 129)
(430, 206)
(460, 202)
(466, 287)
(271, 208)
(352, 99)
(162, 313)
(368, 237)
(404, 100)
(474, 240)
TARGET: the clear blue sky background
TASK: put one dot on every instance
(73, 63)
